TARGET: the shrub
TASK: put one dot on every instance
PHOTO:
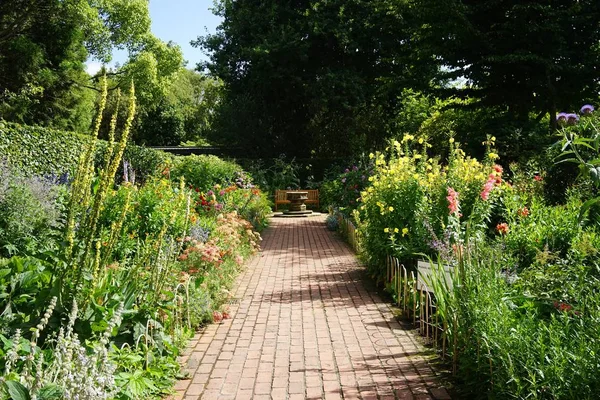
(41, 151)
(332, 223)
(29, 211)
(204, 171)
(513, 340)
(414, 201)
(344, 191)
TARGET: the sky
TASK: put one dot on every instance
(179, 21)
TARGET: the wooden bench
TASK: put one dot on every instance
(281, 197)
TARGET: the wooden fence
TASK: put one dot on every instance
(413, 295)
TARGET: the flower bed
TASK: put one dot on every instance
(521, 320)
(98, 300)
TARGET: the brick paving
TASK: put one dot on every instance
(304, 327)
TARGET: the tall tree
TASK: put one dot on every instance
(302, 76)
(537, 56)
(45, 43)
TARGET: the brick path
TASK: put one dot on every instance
(306, 328)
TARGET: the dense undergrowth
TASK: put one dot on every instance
(102, 279)
(522, 307)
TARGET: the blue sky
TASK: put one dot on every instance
(179, 21)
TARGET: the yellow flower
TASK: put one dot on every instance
(371, 155)
(404, 231)
(493, 156)
(391, 208)
(386, 230)
(451, 140)
(396, 230)
(416, 176)
(420, 140)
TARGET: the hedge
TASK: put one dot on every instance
(36, 150)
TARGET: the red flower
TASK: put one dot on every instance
(502, 228)
(563, 307)
(537, 178)
(523, 212)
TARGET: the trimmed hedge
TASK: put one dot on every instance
(36, 150)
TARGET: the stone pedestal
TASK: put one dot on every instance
(297, 200)
(297, 206)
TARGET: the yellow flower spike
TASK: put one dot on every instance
(493, 156)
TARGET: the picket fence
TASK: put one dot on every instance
(413, 296)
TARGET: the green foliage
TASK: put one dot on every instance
(536, 227)
(414, 202)
(35, 150)
(29, 211)
(332, 223)
(320, 74)
(276, 173)
(44, 45)
(344, 191)
(204, 171)
(518, 340)
(546, 67)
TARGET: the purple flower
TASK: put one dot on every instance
(221, 193)
(587, 109)
(210, 193)
(346, 170)
(572, 119)
(561, 118)
(355, 168)
(218, 206)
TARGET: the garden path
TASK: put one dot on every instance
(304, 327)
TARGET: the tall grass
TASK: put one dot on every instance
(506, 343)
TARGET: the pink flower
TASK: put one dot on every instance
(452, 198)
(487, 188)
(239, 260)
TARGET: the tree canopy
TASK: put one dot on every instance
(328, 76)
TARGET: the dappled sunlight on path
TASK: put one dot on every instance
(305, 327)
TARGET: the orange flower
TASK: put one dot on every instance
(502, 228)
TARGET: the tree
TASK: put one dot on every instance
(43, 47)
(528, 57)
(311, 76)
